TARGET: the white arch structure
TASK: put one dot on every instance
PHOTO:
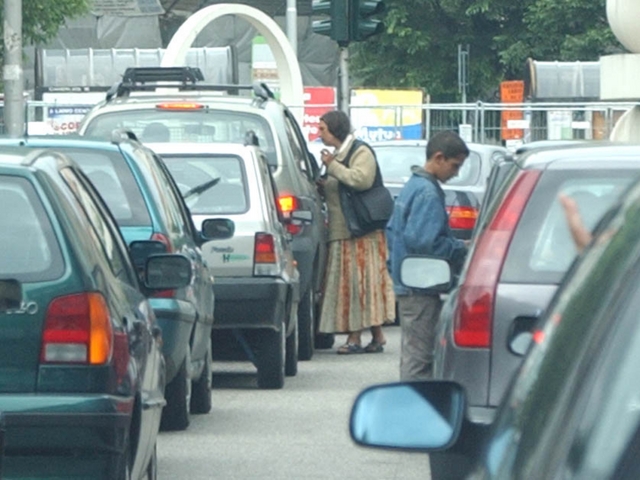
(291, 89)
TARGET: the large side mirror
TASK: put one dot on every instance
(425, 416)
(426, 273)
(141, 250)
(167, 272)
(218, 229)
(10, 295)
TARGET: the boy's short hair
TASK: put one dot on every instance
(447, 142)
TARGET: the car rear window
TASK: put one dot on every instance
(196, 177)
(30, 250)
(396, 161)
(112, 177)
(542, 248)
(175, 126)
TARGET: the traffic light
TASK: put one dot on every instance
(361, 25)
(337, 25)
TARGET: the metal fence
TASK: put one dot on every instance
(498, 123)
(494, 123)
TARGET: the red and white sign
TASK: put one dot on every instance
(317, 101)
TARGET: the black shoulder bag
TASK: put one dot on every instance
(367, 210)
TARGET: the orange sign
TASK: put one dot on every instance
(511, 92)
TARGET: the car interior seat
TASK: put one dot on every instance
(156, 132)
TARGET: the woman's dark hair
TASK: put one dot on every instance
(447, 142)
(338, 124)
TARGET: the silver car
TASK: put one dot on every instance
(520, 254)
(257, 284)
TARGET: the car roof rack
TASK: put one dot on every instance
(139, 79)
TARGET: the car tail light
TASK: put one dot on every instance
(265, 260)
(162, 238)
(462, 218)
(288, 204)
(474, 311)
(77, 329)
(179, 106)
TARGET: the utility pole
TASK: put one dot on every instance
(292, 24)
(12, 74)
(463, 76)
(343, 98)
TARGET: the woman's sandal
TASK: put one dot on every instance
(375, 347)
(349, 348)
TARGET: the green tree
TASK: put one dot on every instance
(420, 42)
(41, 19)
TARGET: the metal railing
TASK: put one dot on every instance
(483, 122)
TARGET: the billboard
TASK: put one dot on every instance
(380, 115)
(317, 101)
(63, 110)
(513, 122)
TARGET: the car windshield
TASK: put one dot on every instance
(115, 183)
(396, 161)
(195, 126)
(542, 248)
(210, 184)
(30, 251)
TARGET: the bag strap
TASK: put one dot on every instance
(354, 146)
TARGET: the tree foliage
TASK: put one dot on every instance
(41, 19)
(419, 47)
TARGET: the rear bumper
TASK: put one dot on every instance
(57, 425)
(250, 302)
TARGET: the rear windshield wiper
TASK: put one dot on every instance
(200, 188)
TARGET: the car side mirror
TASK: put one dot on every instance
(424, 416)
(218, 229)
(426, 273)
(167, 272)
(141, 250)
(10, 295)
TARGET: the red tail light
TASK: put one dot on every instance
(77, 329)
(180, 106)
(474, 311)
(462, 218)
(288, 204)
(265, 251)
(162, 238)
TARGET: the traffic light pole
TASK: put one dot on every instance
(344, 95)
(12, 69)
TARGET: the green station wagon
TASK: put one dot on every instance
(81, 370)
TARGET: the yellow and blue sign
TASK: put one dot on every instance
(379, 115)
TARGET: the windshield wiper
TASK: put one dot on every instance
(200, 188)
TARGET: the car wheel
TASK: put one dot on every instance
(271, 359)
(324, 341)
(291, 359)
(175, 414)
(201, 388)
(306, 325)
(152, 466)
